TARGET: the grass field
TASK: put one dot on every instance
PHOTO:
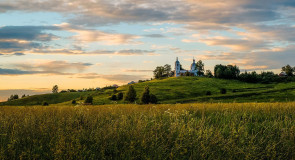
(179, 90)
(167, 131)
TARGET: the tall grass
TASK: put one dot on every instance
(181, 131)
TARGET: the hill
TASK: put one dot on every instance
(179, 90)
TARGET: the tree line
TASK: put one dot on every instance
(231, 72)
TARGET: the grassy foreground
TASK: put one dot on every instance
(180, 131)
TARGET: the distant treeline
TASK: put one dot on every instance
(233, 72)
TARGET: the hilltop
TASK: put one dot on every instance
(179, 90)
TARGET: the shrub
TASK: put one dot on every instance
(223, 91)
(120, 96)
(131, 94)
(113, 97)
(145, 98)
(153, 99)
(74, 102)
(89, 100)
(45, 104)
(208, 93)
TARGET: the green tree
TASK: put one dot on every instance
(89, 100)
(153, 99)
(289, 70)
(131, 94)
(120, 96)
(200, 67)
(145, 98)
(55, 89)
(159, 72)
(167, 70)
(208, 74)
(113, 97)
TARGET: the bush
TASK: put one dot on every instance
(74, 102)
(145, 98)
(153, 99)
(131, 94)
(45, 104)
(223, 91)
(120, 96)
(113, 97)
(89, 100)
(208, 93)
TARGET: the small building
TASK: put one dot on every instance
(97, 88)
(179, 71)
(283, 74)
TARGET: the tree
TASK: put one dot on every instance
(55, 89)
(153, 99)
(120, 96)
(289, 70)
(223, 91)
(113, 97)
(208, 74)
(227, 72)
(15, 96)
(167, 70)
(45, 104)
(145, 98)
(131, 94)
(159, 72)
(200, 67)
(89, 100)
(23, 96)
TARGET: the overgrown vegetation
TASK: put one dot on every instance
(190, 131)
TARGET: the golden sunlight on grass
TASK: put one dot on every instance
(186, 131)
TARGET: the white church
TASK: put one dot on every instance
(179, 72)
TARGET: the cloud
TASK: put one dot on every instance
(9, 46)
(267, 59)
(155, 36)
(18, 54)
(103, 12)
(95, 52)
(4, 71)
(90, 36)
(28, 33)
(121, 78)
(45, 67)
(136, 70)
(54, 66)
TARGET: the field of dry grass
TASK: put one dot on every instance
(168, 131)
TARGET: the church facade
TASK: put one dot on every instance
(179, 71)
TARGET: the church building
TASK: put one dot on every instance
(179, 71)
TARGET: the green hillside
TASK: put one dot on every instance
(179, 90)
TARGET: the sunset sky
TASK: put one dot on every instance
(93, 43)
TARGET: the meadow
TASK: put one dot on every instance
(176, 90)
(165, 131)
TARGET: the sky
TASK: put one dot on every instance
(79, 44)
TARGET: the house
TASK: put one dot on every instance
(283, 74)
(179, 71)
